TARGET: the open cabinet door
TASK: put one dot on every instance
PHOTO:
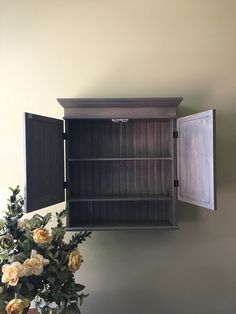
(44, 159)
(195, 159)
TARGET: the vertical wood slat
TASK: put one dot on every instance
(120, 178)
(119, 212)
(44, 162)
(135, 138)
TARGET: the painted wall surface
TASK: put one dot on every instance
(127, 48)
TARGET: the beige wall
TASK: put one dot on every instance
(107, 48)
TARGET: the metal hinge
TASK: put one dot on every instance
(65, 185)
(64, 136)
(119, 120)
(175, 134)
(176, 183)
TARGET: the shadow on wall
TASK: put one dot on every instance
(226, 147)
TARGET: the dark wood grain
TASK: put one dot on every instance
(123, 213)
(119, 107)
(124, 226)
(120, 173)
(88, 139)
(44, 162)
(107, 197)
(121, 162)
(121, 102)
(121, 178)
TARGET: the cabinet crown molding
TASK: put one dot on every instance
(162, 107)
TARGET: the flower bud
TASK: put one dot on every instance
(75, 260)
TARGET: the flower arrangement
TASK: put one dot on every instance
(36, 264)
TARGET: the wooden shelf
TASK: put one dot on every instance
(120, 174)
(121, 198)
(124, 226)
(118, 158)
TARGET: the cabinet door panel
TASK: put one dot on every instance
(195, 164)
(44, 161)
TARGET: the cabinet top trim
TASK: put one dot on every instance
(119, 108)
(120, 102)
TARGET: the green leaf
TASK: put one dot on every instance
(47, 218)
(74, 307)
(58, 234)
(21, 257)
(79, 287)
(63, 275)
(51, 279)
(27, 245)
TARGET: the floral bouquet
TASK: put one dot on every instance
(36, 264)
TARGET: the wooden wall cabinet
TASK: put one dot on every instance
(127, 161)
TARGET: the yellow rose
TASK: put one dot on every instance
(75, 260)
(41, 236)
(34, 265)
(12, 272)
(16, 306)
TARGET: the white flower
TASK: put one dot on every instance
(34, 265)
(12, 272)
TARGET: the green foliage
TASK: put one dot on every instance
(53, 281)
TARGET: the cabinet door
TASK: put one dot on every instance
(195, 159)
(44, 159)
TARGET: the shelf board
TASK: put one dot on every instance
(123, 226)
(121, 198)
(119, 158)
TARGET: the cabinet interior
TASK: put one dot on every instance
(120, 173)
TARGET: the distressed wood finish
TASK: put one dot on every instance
(44, 162)
(120, 173)
(91, 179)
(119, 107)
(196, 159)
(121, 162)
(92, 139)
(127, 214)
